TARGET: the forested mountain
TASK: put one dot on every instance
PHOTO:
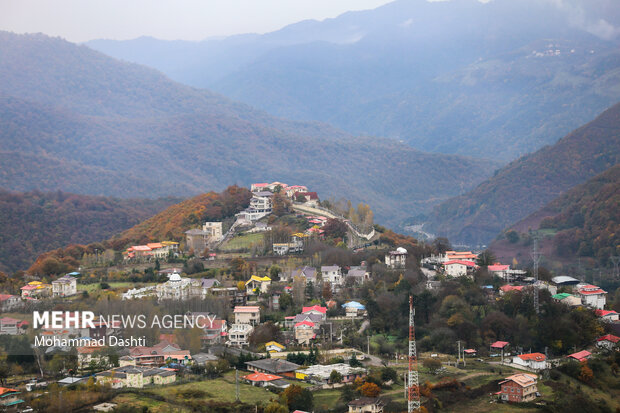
(35, 222)
(74, 119)
(495, 79)
(528, 183)
(583, 222)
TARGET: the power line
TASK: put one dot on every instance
(536, 254)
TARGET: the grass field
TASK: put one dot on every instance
(241, 242)
(91, 288)
(137, 402)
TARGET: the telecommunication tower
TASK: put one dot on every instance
(413, 391)
(536, 258)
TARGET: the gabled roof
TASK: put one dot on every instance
(273, 365)
(354, 304)
(609, 337)
(259, 279)
(366, 401)
(305, 323)
(591, 290)
(499, 344)
(522, 379)
(561, 296)
(507, 288)
(498, 267)
(4, 297)
(460, 262)
(580, 355)
(4, 391)
(532, 356)
(246, 309)
(603, 313)
(315, 308)
(273, 343)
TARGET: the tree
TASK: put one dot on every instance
(335, 377)
(354, 362)
(335, 228)
(441, 245)
(432, 364)
(326, 291)
(275, 407)
(512, 236)
(274, 272)
(485, 258)
(280, 205)
(298, 398)
(388, 373)
(264, 333)
(370, 390)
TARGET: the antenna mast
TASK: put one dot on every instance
(413, 391)
(536, 254)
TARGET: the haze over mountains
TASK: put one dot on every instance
(527, 184)
(498, 79)
(74, 119)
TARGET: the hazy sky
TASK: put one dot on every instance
(82, 20)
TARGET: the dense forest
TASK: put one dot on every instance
(83, 122)
(169, 225)
(528, 183)
(35, 222)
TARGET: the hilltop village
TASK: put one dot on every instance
(301, 304)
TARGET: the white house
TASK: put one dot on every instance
(396, 259)
(315, 309)
(64, 286)
(607, 315)
(261, 205)
(213, 230)
(332, 274)
(608, 341)
(592, 296)
(257, 285)
(9, 302)
(499, 270)
(458, 268)
(534, 361)
(239, 334)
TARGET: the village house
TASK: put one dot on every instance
(9, 399)
(88, 354)
(366, 405)
(607, 315)
(247, 315)
(215, 329)
(519, 388)
(261, 205)
(266, 380)
(592, 296)
(332, 274)
(357, 275)
(580, 356)
(567, 299)
(292, 190)
(239, 335)
(136, 376)
(307, 273)
(9, 302)
(316, 309)
(64, 286)
(257, 285)
(213, 230)
(196, 240)
(321, 373)
(305, 332)
(157, 355)
(137, 293)
(608, 341)
(533, 361)
(458, 268)
(176, 288)
(396, 259)
(499, 270)
(274, 347)
(354, 309)
(273, 366)
(35, 290)
(295, 245)
(289, 322)
(459, 255)
(505, 289)
(12, 326)
(203, 359)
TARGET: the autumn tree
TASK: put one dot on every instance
(297, 398)
(335, 228)
(370, 390)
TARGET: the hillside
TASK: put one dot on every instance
(583, 222)
(74, 119)
(35, 222)
(168, 225)
(528, 183)
(491, 79)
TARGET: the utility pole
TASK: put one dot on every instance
(615, 259)
(368, 351)
(236, 384)
(458, 354)
(536, 254)
(413, 391)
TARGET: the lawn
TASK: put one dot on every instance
(91, 288)
(137, 402)
(326, 399)
(242, 242)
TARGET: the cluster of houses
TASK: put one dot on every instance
(151, 251)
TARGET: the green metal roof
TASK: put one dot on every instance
(561, 296)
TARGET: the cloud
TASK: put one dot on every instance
(592, 16)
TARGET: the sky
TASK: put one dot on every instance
(83, 20)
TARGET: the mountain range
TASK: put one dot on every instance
(527, 184)
(73, 119)
(495, 80)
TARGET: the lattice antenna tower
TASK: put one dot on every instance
(536, 254)
(413, 391)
